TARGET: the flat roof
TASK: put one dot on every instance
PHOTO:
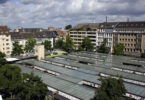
(71, 72)
(65, 86)
(103, 68)
(76, 76)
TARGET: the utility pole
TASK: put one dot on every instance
(106, 19)
(127, 19)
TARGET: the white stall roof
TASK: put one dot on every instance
(11, 59)
(1, 97)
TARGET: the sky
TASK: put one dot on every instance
(59, 13)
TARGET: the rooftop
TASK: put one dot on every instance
(69, 73)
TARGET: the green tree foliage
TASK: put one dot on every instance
(68, 27)
(17, 49)
(143, 55)
(33, 88)
(2, 59)
(65, 45)
(103, 48)
(111, 89)
(15, 85)
(80, 48)
(118, 49)
(87, 45)
(68, 44)
(47, 45)
(10, 80)
(30, 43)
(59, 44)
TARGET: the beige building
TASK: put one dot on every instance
(5, 41)
(39, 52)
(77, 37)
(84, 30)
(131, 34)
(143, 43)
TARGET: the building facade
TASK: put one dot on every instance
(84, 30)
(5, 40)
(131, 34)
(105, 31)
(78, 36)
(39, 36)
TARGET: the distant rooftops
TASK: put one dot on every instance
(23, 35)
(88, 25)
(131, 25)
(4, 28)
(109, 25)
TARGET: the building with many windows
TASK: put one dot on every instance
(84, 30)
(132, 35)
(5, 40)
(39, 36)
(105, 31)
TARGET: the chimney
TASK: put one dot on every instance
(39, 52)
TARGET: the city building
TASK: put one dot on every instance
(5, 40)
(39, 36)
(131, 34)
(84, 30)
(105, 31)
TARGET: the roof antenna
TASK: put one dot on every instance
(127, 19)
(106, 19)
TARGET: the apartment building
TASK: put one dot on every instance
(39, 36)
(5, 40)
(84, 30)
(131, 34)
(105, 31)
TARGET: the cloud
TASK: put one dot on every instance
(44, 13)
(3, 1)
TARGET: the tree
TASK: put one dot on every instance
(143, 55)
(47, 45)
(59, 44)
(15, 85)
(103, 48)
(68, 27)
(68, 44)
(30, 43)
(10, 80)
(33, 88)
(87, 45)
(2, 59)
(17, 49)
(118, 49)
(80, 48)
(111, 89)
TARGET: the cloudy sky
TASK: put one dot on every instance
(58, 13)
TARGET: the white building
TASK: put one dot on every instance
(105, 31)
(5, 44)
(40, 37)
